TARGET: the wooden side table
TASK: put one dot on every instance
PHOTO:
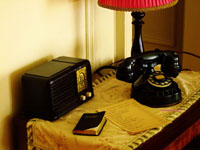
(108, 90)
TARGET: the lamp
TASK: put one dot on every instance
(138, 8)
(150, 87)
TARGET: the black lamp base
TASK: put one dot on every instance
(137, 47)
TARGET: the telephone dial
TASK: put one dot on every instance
(151, 87)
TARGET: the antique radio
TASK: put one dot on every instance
(56, 87)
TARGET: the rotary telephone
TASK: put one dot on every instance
(154, 88)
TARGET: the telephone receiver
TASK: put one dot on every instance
(150, 86)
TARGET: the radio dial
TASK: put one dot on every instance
(89, 94)
(83, 97)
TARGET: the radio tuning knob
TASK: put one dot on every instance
(89, 94)
(83, 97)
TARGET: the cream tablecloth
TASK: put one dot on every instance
(57, 135)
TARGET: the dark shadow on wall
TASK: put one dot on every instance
(15, 82)
(9, 127)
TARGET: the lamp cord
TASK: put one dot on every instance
(188, 53)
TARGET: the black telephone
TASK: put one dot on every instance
(151, 87)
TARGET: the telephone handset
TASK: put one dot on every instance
(149, 86)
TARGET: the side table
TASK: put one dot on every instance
(185, 125)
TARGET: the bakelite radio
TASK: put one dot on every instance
(56, 87)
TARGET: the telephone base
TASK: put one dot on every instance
(157, 97)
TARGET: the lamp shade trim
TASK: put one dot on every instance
(137, 5)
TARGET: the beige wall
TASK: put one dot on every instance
(35, 31)
(103, 51)
(191, 34)
(32, 32)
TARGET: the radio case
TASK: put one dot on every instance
(56, 87)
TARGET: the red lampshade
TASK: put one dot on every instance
(136, 5)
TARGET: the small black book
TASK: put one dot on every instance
(90, 124)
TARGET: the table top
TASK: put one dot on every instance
(108, 90)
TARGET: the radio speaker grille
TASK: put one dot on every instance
(63, 90)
